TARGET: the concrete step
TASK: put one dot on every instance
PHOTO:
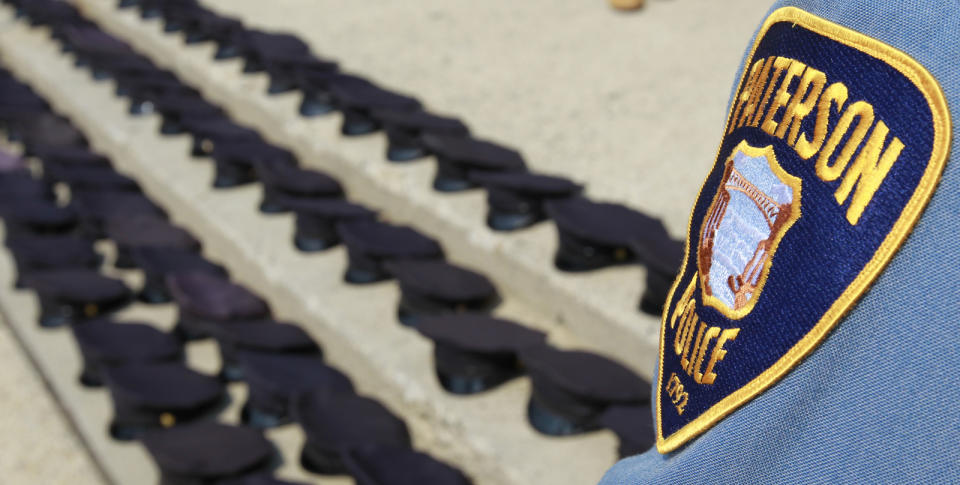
(485, 435)
(599, 307)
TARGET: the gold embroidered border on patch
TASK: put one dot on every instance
(933, 93)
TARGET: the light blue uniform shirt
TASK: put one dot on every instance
(879, 400)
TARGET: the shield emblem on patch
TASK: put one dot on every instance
(756, 204)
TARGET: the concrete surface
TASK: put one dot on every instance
(39, 445)
(534, 92)
(486, 435)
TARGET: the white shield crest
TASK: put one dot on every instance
(755, 205)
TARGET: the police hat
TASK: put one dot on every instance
(372, 243)
(176, 14)
(316, 87)
(97, 207)
(32, 253)
(285, 181)
(458, 157)
(595, 235)
(86, 177)
(154, 395)
(18, 186)
(227, 32)
(284, 66)
(662, 257)
(405, 130)
(571, 389)
(237, 161)
(260, 336)
(357, 98)
(398, 465)
(143, 90)
(158, 262)
(260, 46)
(317, 220)
(48, 129)
(436, 287)
(515, 200)
(633, 425)
(277, 381)
(335, 423)
(89, 40)
(476, 352)
(206, 300)
(71, 155)
(37, 216)
(209, 132)
(138, 231)
(75, 294)
(104, 343)
(177, 106)
(285, 74)
(207, 452)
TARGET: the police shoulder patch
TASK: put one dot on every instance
(833, 146)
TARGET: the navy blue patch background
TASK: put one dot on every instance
(822, 253)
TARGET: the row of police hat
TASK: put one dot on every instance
(156, 397)
(486, 351)
(592, 235)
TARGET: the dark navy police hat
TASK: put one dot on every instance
(96, 207)
(476, 352)
(206, 300)
(32, 253)
(208, 452)
(32, 215)
(357, 98)
(85, 177)
(260, 336)
(633, 425)
(371, 243)
(398, 465)
(70, 155)
(277, 381)
(105, 344)
(146, 231)
(237, 162)
(335, 423)
(430, 288)
(662, 256)
(405, 131)
(459, 157)
(159, 395)
(72, 295)
(515, 200)
(317, 220)
(316, 86)
(571, 389)
(595, 235)
(209, 132)
(18, 185)
(158, 262)
(286, 181)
